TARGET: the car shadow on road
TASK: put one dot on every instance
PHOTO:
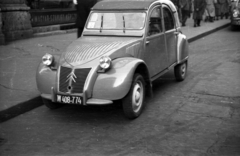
(165, 82)
(234, 28)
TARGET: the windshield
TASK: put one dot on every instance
(116, 21)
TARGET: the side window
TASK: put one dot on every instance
(155, 25)
(168, 19)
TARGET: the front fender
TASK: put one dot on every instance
(115, 83)
(45, 78)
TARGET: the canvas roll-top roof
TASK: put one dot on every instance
(123, 5)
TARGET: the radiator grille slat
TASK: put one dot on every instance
(78, 85)
(80, 80)
(63, 83)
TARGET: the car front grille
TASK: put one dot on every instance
(74, 84)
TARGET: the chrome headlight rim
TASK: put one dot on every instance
(48, 59)
(235, 13)
(105, 62)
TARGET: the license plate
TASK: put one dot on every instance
(69, 99)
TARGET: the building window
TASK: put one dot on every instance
(52, 12)
(50, 4)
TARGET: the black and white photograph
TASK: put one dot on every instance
(119, 77)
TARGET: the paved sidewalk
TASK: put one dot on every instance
(206, 28)
(19, 61)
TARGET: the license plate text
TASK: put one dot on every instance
(69, 99)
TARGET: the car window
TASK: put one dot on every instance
(155, 24)
(116, 21)
(168, 19)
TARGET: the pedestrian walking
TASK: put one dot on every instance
(224, 8)
(217, 9)
(199, 8)
(83, 8)
(177, 5)
(229, 7)
(186, 10)
(210, 11)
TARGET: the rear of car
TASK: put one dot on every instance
(235, 14)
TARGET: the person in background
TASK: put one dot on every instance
(83, 8)
(177, 5)
(199, 8)
(224, 8)
(229, 6)
(217, 9)
(210, 11)
(186, 10)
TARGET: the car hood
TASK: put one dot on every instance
(87, 49)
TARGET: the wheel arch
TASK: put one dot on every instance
(116, 83)
(143, 70)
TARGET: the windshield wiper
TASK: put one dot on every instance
(123, 24)
(101, 23)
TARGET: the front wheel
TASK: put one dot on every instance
(50, 104)
(134, 101)
(180, 71)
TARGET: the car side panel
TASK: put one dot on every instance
(171, 46)
(115, 83)
(156, 56)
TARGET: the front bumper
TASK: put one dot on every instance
(85, 101)
(235, 21)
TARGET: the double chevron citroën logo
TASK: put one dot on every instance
(71, 77)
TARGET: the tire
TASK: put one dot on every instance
(180, 71)
(133, 102)
(50, 104)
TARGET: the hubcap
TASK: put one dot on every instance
(137, 97)
(183, 69)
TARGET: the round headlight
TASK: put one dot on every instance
(235, 13)
(105, 62)
(47, 59)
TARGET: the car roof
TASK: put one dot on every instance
(129, 4)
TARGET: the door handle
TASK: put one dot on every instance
(147, 42)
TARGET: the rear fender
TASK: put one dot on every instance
(115, 83)
(182, 48)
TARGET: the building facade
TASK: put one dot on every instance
(22, 18)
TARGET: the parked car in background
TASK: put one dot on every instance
(125, 46)
(235, 14)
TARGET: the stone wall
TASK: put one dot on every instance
(52, 17)
(2, 38)
(16, 23)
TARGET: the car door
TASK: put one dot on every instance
(170, 34)
(155, 56)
